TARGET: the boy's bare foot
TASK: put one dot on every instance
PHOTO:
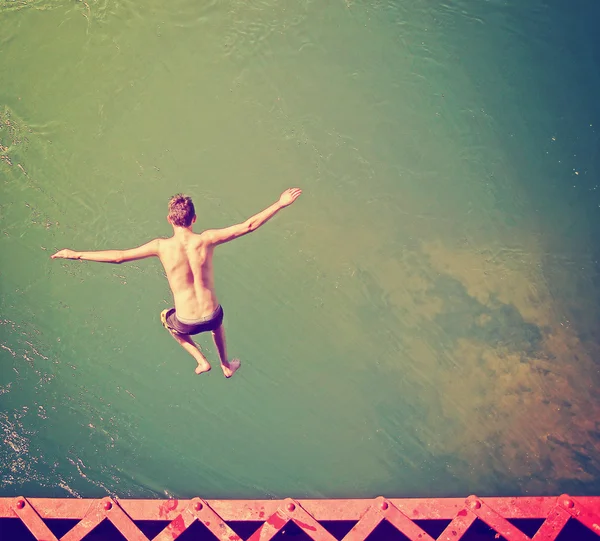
(232, 368)
(202, 367)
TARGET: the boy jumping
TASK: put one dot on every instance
(187, 260)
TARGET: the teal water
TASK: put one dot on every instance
(422, 322)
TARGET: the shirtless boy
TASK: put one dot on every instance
(187, 260)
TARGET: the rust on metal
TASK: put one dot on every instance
(307, 515)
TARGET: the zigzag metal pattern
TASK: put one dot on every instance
(306, 515)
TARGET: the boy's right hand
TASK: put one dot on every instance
(289, 196)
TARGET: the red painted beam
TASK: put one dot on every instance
(256, 510)
(179, 515)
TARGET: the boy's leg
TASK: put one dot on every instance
(188, 344)
(192, 348)
(229, 367)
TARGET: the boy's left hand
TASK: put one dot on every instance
(65, 254)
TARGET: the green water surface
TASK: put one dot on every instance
(422, 322)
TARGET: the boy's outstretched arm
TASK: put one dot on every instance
(219, 236)
(112, 256)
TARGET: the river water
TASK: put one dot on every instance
(422, 322)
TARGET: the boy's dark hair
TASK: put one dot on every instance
(181, 210)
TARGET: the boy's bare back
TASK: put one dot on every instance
(188, 263)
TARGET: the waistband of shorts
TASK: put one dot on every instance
(204, 319)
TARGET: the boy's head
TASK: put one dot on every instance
(181, 211)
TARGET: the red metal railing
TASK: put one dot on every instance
(499, 514)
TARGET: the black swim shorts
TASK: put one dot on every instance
(209, 323)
